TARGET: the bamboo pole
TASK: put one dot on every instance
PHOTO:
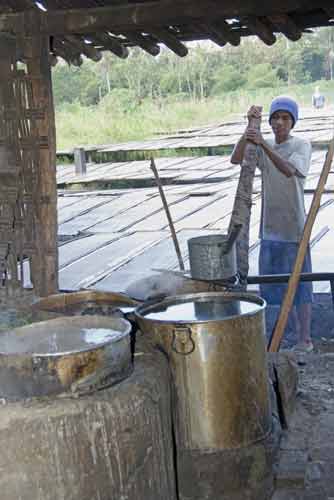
(281, 323)
(169, 217)
(241, 213)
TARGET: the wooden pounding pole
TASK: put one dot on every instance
(45, 259)
(241, 213)
(281, 323)
(169, 217)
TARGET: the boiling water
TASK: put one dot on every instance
(36, 340)
(202, 311)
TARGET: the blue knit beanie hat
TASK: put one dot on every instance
(284, 103)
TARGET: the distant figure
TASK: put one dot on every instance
(318, 100)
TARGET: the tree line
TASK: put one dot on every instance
(206, 71)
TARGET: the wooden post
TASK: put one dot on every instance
(9, 172)
(45, 258)
(80, 161)
(241, 213)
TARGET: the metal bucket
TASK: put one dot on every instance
(216, 347)
(212, 258)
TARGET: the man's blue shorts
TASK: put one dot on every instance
(278, 257)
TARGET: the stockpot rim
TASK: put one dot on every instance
(175, 299)
(36, 355)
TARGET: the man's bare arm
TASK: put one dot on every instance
(239, 150)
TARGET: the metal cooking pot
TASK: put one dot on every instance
(67, 354)
(216, 348)
(83, 302)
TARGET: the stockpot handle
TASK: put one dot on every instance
(182, 342)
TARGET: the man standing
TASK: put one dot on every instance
(284, 162)
(318, 100)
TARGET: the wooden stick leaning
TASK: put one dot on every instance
(169, 217)
(281, 323)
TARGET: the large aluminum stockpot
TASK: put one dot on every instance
(67, 354)
(215, 343)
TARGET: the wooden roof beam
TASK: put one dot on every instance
(287, 26)
(214, 36)
(111, 43)
(140, 16)
(220, 33)
(171, 41)
(67, 53)
(143, 42)
(87, 49)
(261, 29)
(224, 29)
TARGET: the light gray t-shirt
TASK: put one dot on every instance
(283, 211)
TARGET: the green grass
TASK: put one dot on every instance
(109, 122)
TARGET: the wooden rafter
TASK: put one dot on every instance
(261, 29)
(144, 42)
(231, 36)
(286, 25)
(86, 49)
(140, 16)
(170, 40)
(66, 52)
(110, 43)
(214, 36)
(223, 28)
